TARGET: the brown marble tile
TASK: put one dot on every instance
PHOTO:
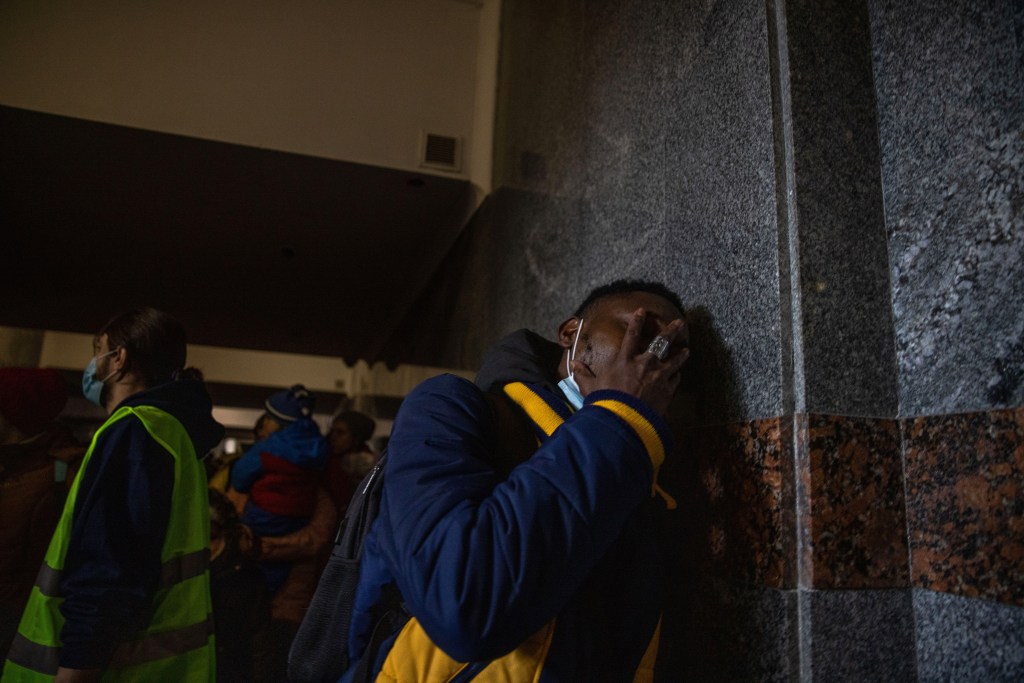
(852, 520)
(732, 482)
(740, 488)
(965, 503)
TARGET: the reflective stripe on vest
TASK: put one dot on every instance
(179, 636)
(46, 660)
(175, 570)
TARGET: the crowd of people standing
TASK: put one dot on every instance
(516, 535)
(117, 542)
(276, 509)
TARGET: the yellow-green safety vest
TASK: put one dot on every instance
(178, 643)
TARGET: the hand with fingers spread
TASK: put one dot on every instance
(644, 367)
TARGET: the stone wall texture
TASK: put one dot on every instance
(950, 90)
(836, 190)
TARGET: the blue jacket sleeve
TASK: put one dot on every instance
(483, 563)
(112, 566)
(247, 469)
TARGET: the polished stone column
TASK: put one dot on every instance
(835, 189)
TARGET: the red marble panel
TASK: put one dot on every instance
(731, 482)
(965, 503)
(740, 486)
(853, 523)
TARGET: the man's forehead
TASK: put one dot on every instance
(625, 303)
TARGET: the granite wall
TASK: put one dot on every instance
(949, 81)
(835, 189)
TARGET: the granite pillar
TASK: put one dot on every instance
(949, 80)
(835, 189)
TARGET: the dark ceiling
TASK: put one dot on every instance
(249, 248)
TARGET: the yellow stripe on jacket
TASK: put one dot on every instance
(414, 657)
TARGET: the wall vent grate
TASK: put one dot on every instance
(441, 151)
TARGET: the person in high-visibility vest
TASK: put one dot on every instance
(124, 591)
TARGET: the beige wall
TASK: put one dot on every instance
(355, 80)
(67, 350)
(20, 348)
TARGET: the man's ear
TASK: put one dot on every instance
(567, 332)
(120, 359)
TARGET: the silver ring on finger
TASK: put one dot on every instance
(659, 347)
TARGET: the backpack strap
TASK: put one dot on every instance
(516, 441)
(393, 617)
(514, 444)
(319, 651)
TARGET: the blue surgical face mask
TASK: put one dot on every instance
(568, 385)
(92, 388)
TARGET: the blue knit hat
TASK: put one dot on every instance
(292, 404)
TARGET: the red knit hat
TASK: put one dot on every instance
(31, 397)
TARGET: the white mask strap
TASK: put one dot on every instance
(572, 354)
(104, 355)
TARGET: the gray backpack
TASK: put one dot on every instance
(319, 653)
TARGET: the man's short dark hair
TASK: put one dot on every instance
(154, 341)
(625, 287)
(360, 425)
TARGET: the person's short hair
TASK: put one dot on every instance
(626, 286)
(153, 340)
(222, 511)
(359, 424)
(260, 422)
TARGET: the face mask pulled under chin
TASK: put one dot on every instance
(92, 388)
(572, 392)
(568, 385)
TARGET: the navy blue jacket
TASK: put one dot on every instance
(555, 558)
(112, 566)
